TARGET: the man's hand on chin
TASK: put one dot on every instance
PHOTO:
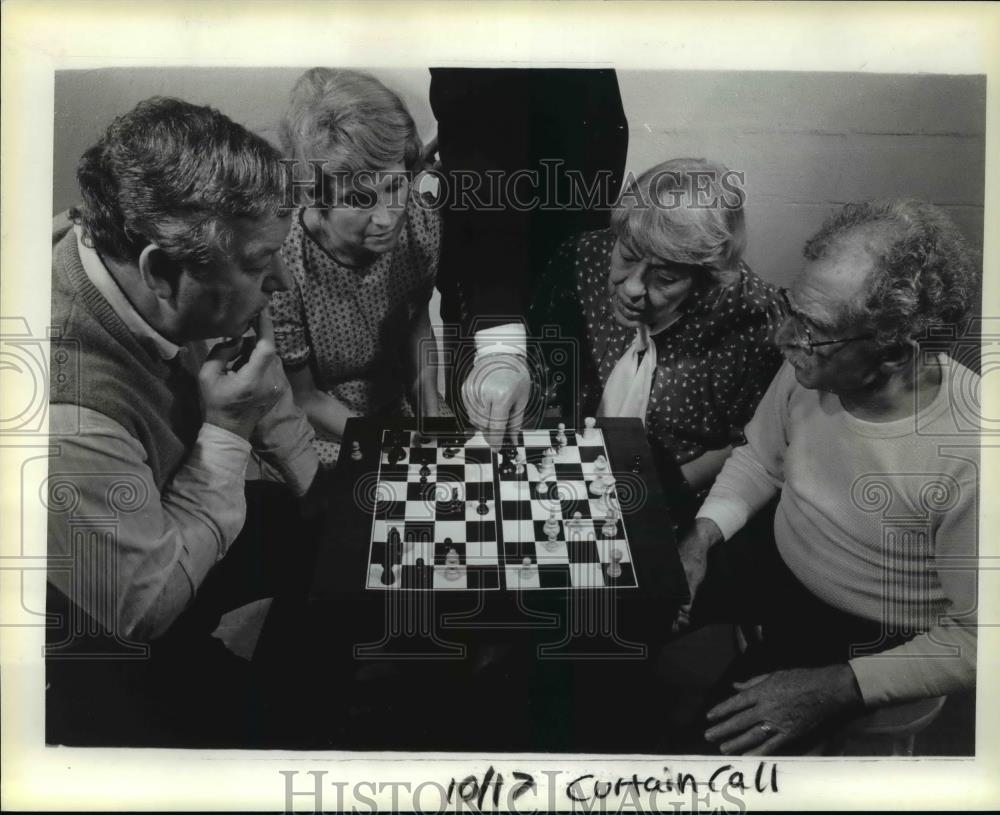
(772, 710)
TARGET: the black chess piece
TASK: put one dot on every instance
(636, 464)
(396, 454)
(425, 471)
(395, 544)
(392, 554)
(483, 508)
(423, 574)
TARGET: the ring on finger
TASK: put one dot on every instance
(766, 728)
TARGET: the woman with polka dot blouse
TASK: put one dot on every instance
(673, 325)
(363, 255)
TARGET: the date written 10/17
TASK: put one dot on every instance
(473, 790)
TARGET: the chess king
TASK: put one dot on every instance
(148, 267)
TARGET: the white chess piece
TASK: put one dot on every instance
(527, 567)
(596, 488)
(551, 526)
(574, 524)
(589, 429)
(615, 566)
(451, 565)
(561, 434)
(610, 528)
(546, 467)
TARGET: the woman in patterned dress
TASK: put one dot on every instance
(354, 331)
(673, 325)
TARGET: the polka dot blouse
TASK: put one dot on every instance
(712, 365)
(351, 324)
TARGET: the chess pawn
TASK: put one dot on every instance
(589, 429)
(390, 576)
(527, 567)
(561, 434)
(452, 564)
(542, 489)
(519, 463)
(551, 527)
(572, 526)
(356, 451)
(615, 566)
(610, 528)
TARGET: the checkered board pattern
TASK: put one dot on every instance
(581, 553)
(492, 546)
(425, 515)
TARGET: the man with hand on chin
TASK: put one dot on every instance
(176, 241)
(863, 576)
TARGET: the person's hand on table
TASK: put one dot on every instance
(772, 710)
(496, 393)
(693, 551)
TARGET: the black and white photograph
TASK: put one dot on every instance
(525, 430)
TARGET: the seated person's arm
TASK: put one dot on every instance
(160, 549)
(701, 471)
(326, 412)
(943, 659)
(163, 548)
(751, 476)
(283, 436)
(423, 370)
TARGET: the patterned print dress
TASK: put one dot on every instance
(712, 365)
(350, 324)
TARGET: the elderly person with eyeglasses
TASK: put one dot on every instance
(673, 325)
(846, 525)
(354, 330)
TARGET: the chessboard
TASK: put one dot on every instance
(453, 514)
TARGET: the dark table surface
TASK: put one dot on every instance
(373, 667)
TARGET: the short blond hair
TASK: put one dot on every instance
(349, 121)
(685, 210)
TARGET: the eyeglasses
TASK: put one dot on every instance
(803, 336)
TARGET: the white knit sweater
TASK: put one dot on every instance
(878, 519)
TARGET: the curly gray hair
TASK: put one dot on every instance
(174, 174)
(925, 273)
